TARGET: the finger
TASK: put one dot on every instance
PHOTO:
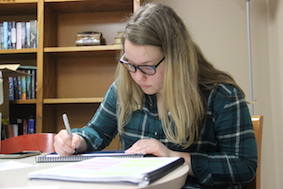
(141, 146)
(62, 144)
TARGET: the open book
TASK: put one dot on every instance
(141, 171)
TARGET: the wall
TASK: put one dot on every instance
(275, 34)
(219, 27)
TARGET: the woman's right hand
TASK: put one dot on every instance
(65, 145)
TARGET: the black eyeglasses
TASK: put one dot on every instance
(146, 69)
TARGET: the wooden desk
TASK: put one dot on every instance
(18, 178)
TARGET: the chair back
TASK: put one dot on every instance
(257, 125)
(31, 142)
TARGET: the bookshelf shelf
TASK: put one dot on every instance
(31, 101)
(82, 48)
(83, 6)
(72, 100)
(18, 51)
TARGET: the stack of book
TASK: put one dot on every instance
(18, 35)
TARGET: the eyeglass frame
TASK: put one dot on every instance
(124, 62)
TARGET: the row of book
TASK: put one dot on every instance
(23, 87)
(21, 127)
(18, 35)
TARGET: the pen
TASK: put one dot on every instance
(67, 124)
(68, 128)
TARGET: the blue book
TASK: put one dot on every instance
(11, 88)
(5, 34)
(31, 126)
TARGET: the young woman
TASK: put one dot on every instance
(168, 100)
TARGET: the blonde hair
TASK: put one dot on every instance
(187, 73)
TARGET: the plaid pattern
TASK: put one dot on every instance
(224, 154)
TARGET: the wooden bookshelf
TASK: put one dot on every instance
(70, 78)
(72, 100)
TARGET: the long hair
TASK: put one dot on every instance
(187, 73)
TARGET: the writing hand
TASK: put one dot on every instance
(65, 145)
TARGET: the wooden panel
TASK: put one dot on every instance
(18, 8)
(72, 100)
(40, 67)
(84, 78)
(109, 23)
(79, 49)
(18, 58)
(50, 27)
(79, 114)
(67, 6)
(49, 119)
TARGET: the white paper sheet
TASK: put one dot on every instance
(9, 165)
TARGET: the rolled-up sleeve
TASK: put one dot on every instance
(102, 128)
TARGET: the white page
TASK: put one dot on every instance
(35, 187)
(9, 165)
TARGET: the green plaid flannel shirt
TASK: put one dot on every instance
(224, 155)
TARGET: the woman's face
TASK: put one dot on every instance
(146, 55)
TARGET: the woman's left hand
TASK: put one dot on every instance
(150, 146)
(154, 147)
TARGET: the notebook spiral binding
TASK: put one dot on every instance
(77, 158)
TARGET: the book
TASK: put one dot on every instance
(25, 126)
(13, 35)
(53, 157)
(23, 34)
(33, 33)
(20, 124)
(140, 171)
(19, 35)
(1, 36)
(24, 87)
(11, 88)
(31, 126)
(9, 35)
(5, 34)
(27, 35)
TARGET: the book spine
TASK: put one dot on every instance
(28, 85)
(33, 33)
(33, 83)
(31, 126)
(1, 36)
(5, 34)
(9, 35)
(20, 124)
(19, 90)
(15, 82)
(24, 87)
(25, 127)
(15, 129)
(11, 88)
(23, 35)
(19, 35)
(13, 35)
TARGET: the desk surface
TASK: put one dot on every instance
(18, 178)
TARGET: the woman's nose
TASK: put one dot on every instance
(139, 76)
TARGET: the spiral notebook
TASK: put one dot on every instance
(141, 171)
(53, 157)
